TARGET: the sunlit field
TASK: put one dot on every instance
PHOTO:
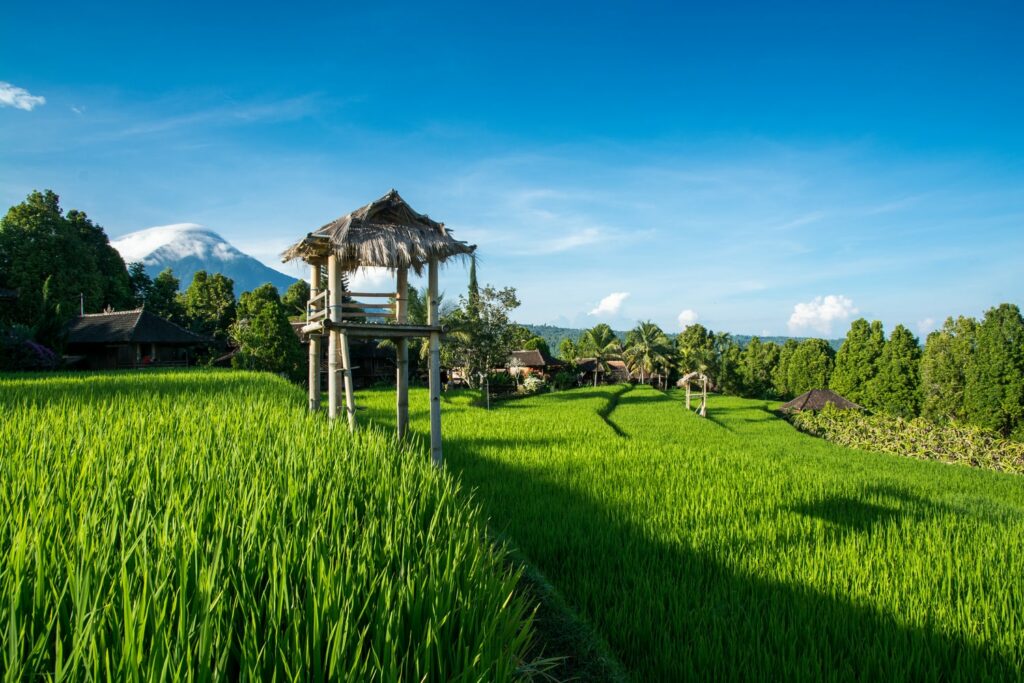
(735, 546)
(202, 526)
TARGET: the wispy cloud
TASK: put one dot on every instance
(228, 115)
(19, 98)
(611, 304)
(819, 313)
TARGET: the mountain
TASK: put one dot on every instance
(187, 247)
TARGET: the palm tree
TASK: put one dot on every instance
(647, 348)
(602, 344)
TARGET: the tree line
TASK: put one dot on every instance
(969, 371)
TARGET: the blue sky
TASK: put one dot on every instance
(760, 168)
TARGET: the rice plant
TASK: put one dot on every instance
(200, 526)
(735, 547)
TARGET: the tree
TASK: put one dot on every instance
(163, 297)
(857, 362)
(296, 298)
(140, 283)
(994, 395)
(896, 388)
(601, 344)
(538, 343)
(264, 336)
(695, 349)
(481, 336)
(947, 355)
(757, 363)
(780, 376)
(209, 305)
(809, 366)
(37, 243)
(725, 365)
(112, 274)
(647, 349)
(567, 350)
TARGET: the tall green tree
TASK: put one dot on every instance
(948, 353)
(757, 363)
(994, 395)
(896, 388)
(38, 243)
(857, 362)
(481, 335)
(209, 305)
(726, 363)
(296, 298)
(810, 366)
(780, 376)
(115, 287)
(567, 350)
(163, 297)
(538, 343)
(264, 336)
(647, 349)
(601, 344)
(695, 349)
(140, 283)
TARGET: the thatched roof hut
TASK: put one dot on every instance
(816, 399)
(386, 233)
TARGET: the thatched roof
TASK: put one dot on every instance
(692, 377)
(533, 358)
(816, 399)
(129, 327)
(386, 233)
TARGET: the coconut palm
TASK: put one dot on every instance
(647, 348)
(600, 343)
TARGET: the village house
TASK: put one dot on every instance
(129, 339)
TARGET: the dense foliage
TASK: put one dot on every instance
(916, 438)
(735, 547)
(264, 336)
(184, 526)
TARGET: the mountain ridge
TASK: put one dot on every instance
(187, 248)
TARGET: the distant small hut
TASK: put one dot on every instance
(534, 362)
(817, 399)
(701, 381)
(386, 233)
(129, 339)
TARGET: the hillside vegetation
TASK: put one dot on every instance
(202, 526)
(737, 547)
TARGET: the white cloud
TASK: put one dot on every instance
(573, 240)
(686, 318)
(19, 98)
(371, 280)
(925, 326)
(611, 304)
(819, 313)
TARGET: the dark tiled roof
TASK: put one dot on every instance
(534, 358)
(124, 327)
(816, 399)
(8, 294)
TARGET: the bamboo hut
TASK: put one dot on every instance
(817, 399)
(702, 381)
(386, 233)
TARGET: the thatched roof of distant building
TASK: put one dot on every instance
(386, 233)
(817, 399)
(534, 358)
(137, 326)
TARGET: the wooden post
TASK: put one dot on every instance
(435, 368)
(334, 304)
(314, 341)
(402, 364)
(350, 398)
(687, 394)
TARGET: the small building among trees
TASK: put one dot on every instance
(535, 362)
(817, 399)
(129, 339)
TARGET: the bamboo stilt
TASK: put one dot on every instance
(315, 344)
(436, 455)
(334, 304)
(402, 354)
(350, 398)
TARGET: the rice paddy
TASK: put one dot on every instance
(736, 547)
(201, 525)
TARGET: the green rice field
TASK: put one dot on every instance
(201, 525)
(737, 547)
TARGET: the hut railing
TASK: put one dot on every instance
(315, 310)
